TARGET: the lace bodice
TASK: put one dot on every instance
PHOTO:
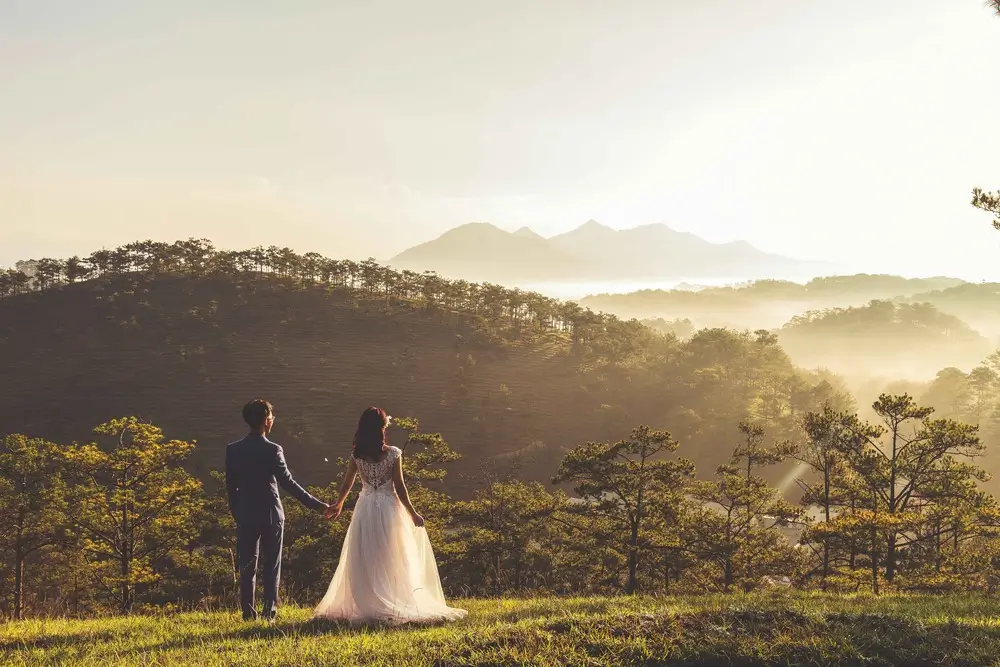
(377, 475)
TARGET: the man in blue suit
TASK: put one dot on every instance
(255, 467)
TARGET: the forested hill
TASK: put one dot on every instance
(911, 341)
(183, 335)
(772, 303)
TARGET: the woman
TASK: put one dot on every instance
(386, 570)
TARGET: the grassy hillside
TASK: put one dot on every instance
(778, 630)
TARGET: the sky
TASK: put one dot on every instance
(850, 132)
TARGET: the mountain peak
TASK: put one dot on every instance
(483, 251)
(528, 233)
(586, 232)
(594, 225)
(474, 228)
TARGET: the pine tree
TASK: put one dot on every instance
(625, 484)
(504, 533)
(32, 504)
(910, 456)
(988, 201)
(135, 505)
(736, 525)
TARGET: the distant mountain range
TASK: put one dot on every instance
(481, 251)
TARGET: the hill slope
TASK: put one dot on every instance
(186, 353)
(903, 341)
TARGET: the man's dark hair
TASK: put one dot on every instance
(255, 412)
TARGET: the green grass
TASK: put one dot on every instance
(736, 630)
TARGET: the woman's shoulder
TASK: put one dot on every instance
(395, 452)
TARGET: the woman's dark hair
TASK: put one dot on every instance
(369, 439)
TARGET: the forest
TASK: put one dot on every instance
(554, 450)
(942, 321)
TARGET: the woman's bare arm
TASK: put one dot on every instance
(404, 495)
(346, 485)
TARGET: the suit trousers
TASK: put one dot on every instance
(259, 540)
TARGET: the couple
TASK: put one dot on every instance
(386, 570)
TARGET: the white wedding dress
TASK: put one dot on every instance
(386, 571)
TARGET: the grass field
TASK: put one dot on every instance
(735, 630)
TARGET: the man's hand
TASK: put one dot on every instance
(332, 512)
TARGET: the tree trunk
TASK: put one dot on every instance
(937, 547)
(18, 582)
(874, 561)
(826, 510)
(890, 551)
(19, 568)
(499, 574)
(890, 557)
(126, 565)
(128, 546)
(126, 588)
(954, 547)
(633, 552)
(854, 542)
(632, 586)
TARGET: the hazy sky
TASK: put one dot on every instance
(842, 131)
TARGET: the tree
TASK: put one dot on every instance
(988, 201)
(135, 505)
(76, 269)
(100, 260)
(624, 482)
(955, 512)
(504, 532)
(28, 267)
(904, 472)
(425, 455)
(312, 547)
(215, 569)
(983, 383)
(32, 503)
(821, 455)
(735, 526)
(48, 272)
(829, 433)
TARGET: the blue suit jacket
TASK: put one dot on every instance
(255, 467)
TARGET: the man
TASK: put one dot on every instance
(255, 467)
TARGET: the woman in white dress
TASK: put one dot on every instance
(386, 570)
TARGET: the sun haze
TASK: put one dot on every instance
(848, 132)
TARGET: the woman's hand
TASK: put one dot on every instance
(418, 520)
(332, 512)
